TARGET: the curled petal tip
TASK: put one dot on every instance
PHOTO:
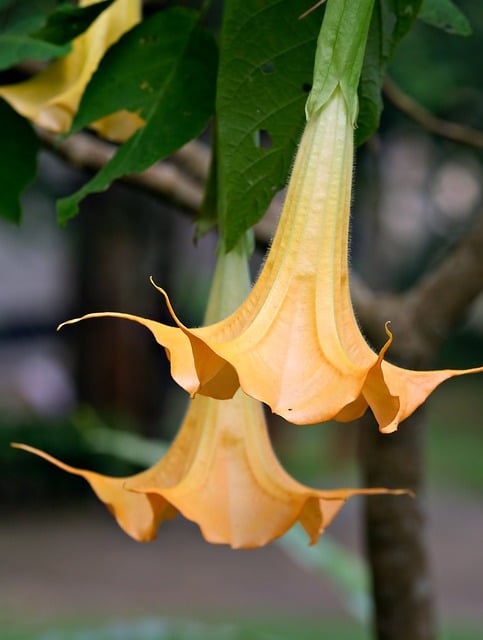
(156, 286)
(71, 321)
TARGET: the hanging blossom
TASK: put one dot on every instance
(50, 98)
(220, 471)
(294, 343)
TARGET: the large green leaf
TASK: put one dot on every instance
(165, 70)
(444, 14)
(20, 146)
(19, 20)
(391, 20)
(266, 69)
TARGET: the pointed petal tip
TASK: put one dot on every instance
(168, 303)
(392, 427)
(71, 321)
(158, 288)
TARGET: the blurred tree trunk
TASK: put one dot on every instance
(119, 367)
(394, 529)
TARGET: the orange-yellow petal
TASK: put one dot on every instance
(221, 473)
(138, 515)
(207, 374)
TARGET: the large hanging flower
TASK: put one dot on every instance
(51, 98)
(294, 343)
(220, 471)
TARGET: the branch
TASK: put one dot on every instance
(164, 179)
(423, 317)
(180, 179)
(444, 128)
(442, 298)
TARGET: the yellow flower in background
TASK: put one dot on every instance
(294, 342)
(50, 98)
(220, 471)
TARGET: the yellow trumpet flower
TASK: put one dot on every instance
(50, 98)
(220, 471)
(294, 343)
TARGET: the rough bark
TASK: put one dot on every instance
(394, 529)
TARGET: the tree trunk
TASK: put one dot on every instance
(394, 528)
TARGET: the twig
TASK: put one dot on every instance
(444, 128)
(179, 179)
(163, 179)
(195, 157)
(424, 316)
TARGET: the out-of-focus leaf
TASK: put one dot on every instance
(445, 15)
(19, 20)
(20, 147)
(67, 22)
(125, 445)
(346, 570)
(266, 70)
(165, 70)
(391, 20)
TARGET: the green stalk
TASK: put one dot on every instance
(340, 52)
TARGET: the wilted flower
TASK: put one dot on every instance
(50, 98)
(220, 471)
(294, 343)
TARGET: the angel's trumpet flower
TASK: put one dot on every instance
(220, 471)
(294, 343)
(50, 98)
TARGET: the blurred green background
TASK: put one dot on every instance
(60, 391)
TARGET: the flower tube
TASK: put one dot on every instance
(50, 98)
(220, 470)
(294, 343)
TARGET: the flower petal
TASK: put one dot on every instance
(197, 371)
(221, 473)
(234, 487)
(413, 387)
(137, 514)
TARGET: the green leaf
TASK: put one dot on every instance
(20, 147)
(391, 20)
(67, 22)
(266, 69)
(445, 15)
(165, 70)
(19, 21)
